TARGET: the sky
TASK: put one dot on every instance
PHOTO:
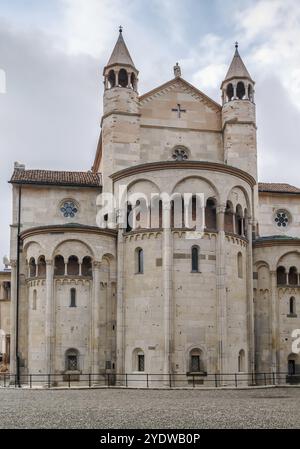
(52, 53)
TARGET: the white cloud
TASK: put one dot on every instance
(88, 26)
(273, 28)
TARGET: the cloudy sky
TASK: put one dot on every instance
(53, 51)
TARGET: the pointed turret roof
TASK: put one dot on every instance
(237, 68)
(120, 54)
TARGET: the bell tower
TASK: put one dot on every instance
(121, 119)
(238, 117)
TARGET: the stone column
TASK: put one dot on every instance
(274, 322)
(13, 317)
(233, 223)
(107, 309)
(167, 267)
(234, 91)
(250, 305)
(95, 340)
(120, 306)
(49, 319)
(129, 79)
(221, 291)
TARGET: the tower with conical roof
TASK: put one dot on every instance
(238, 117)
(119, 138)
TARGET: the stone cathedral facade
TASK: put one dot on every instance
(153, 296)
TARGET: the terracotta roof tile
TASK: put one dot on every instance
(59, 178)
(277, 187)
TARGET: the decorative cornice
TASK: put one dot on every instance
(238, 122)
(184, 165)
(62, 229)
(261, 243)
(200, 130)
(116, 112)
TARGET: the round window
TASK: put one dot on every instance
(69, 208)
(282, 219)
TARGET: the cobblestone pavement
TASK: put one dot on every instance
(118, 408)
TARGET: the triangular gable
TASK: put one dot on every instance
(187, 87)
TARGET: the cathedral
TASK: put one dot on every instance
(156, 283)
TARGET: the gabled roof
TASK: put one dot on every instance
(57, 178)
(120, 54)
(237, 68)
(178, 80)
(276, 187)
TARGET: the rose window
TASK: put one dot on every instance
(180, 155)
(69, 209)
(282, 219)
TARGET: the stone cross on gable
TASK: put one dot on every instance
(178, 110)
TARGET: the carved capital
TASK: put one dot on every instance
(96, 264)
(221, 208)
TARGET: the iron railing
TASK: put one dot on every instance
(148, 380)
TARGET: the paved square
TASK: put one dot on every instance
(117, 408)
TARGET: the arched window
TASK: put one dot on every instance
(240, 265)
(211, 214)
(250, 92)
(111, 79)
(293, 276)
(86, 267)
(240, 90)
(241, 361)
(228, 219)
(73, 297)
(141, 213)
(139, 261)
(59, 266)
(133, 81)
(160, 213)
(73, 266)
(172, 212)
(195, 259)
(123, 78)
(72, 360)
(41, 266)
(6, 290)
(138, 360)
(229, 92)
(194, 218)
(177, 211)
(292, 306)
(34, 300)
(245, 223)
(195, 363)
(32, 268)
(129, 217)
(281, 276)
(239, 220)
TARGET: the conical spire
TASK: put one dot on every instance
(237, 68)
(120, 54)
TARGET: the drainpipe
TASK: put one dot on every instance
(18, 289)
